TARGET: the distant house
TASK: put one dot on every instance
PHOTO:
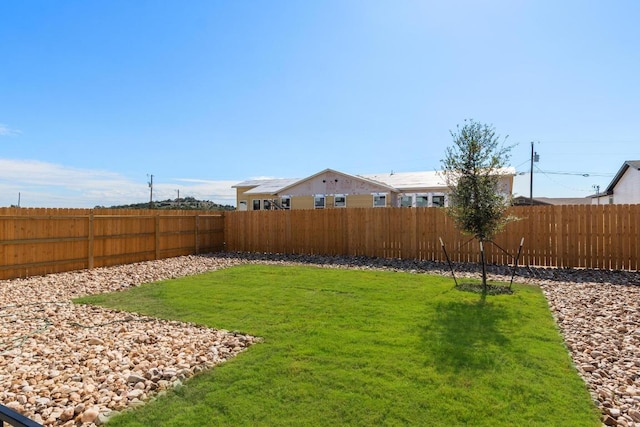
(624, 188)
(333, 189)
(537, 201)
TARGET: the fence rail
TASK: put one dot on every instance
(573, 236)
(40, 241)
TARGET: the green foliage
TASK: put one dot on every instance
(473, 167)
(363, 348)
(186, 203)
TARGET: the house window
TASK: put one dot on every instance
(319, 201)
(256, 204)
(438, 201)
(266, 204)
(379, 200)
(340, 201)
(242, 206)
(611, 199)
(406, 201)
(422, 201)
(285, 202)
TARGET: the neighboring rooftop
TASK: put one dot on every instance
(635, 164)
(524, 201)
(402, 181)
(408, 180)
(266, 185)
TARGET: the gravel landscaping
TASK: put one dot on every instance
(73, 365)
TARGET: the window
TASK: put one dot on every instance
(285, 202)
(422, 201)
(438, 201)
(242, 206)
(256, 205)
(406, 201)
(266, 204)
(379, 200)
(340, 201)
(318, 201)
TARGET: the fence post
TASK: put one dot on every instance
(157, 227)
(90, 241)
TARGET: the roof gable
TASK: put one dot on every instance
(330, 181)
(327, 181)
(635, 164)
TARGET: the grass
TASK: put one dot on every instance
(363, 348)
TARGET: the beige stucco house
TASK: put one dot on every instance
(333, 189)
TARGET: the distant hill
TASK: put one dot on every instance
(187, 203)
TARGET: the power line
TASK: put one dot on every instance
(546, 174)
(582, 173)
(585, 174)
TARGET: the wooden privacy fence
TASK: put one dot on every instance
(578, 236)
(40, 241)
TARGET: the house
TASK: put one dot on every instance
(624, 188)
(333, 189)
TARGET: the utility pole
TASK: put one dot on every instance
(534, 158)
(597, 188)
(178, 190)
(150, 191)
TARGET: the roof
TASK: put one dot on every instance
(402, 181)
(411, 180)
(524, 200)
(626, 165)
(267, 185)
(406, 180)
(278, 185)
(358, 177)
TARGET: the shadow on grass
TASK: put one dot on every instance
(464, 335)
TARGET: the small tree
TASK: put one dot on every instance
(472, 169)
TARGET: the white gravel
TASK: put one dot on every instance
(73, 365)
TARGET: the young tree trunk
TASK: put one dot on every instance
(484, 271)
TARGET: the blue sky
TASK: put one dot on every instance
(95, 96)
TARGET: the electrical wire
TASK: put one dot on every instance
(560, 183)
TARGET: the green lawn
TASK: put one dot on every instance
(364, 348)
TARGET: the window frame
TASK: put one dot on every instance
(316, 198)
(424, 198)
(377, 197)
(285, 202)
(403, 198)
(343, 203)
(439, 196)
(253, 204)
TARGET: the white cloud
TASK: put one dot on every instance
(7, 131)
(42, 184)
